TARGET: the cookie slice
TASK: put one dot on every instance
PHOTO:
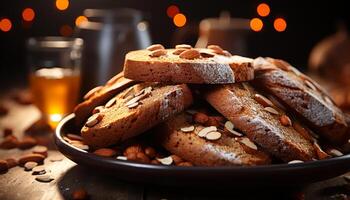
(303, 96)
(260, 120)
(183, 136)
(134, 111)
(187, 65)
(100, 95)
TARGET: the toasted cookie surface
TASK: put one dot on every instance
(189, 65)
(183, 136)
(302, 96)
(260, 120)
(134, 111)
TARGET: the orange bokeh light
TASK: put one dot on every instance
(263, 9)
(280, 24)
(5, 25)
(66, 30)
(179, 20)
(172, 10)
(28, 14)
(256, 24)
(62, 4)
(81, 19)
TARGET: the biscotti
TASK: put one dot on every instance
(185, 64)
(261, 121)
(134, 111)
(183, 136)
(100, 95)
(303, 96)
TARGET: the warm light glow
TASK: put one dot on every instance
(5, 25)
(55, 117)
(256, 24)
(179, 20)
(263, 9)
(66, 30)
(142, 26)
(280, 24)
(62, 4)
(172, 10)
(79, 20)
(28, 14)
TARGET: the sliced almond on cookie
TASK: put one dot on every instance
(246, 141)
(158, 53)
(187, 129)
(166, 161)
(93, 120)
(271, 110)
(190, 54)
(263, 100)
(214, 135)
(206, 130)
(155, 47)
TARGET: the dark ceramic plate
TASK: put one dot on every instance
(276, 174)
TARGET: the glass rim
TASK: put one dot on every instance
(54, 42)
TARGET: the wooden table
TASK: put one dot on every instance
(18, 184)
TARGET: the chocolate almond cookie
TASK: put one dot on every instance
(209, 145)
(100, 95)
(134, 111)
(303, 96)
(185, 64)
(260, 120)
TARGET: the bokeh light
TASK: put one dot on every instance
(142, 26)
(66, 30)
(172, 10)
(256, 24)
(5, 24)
(263, 9)
(28, 14)
(179, 20)
(80, 19)
(62, 4)
(280, 24)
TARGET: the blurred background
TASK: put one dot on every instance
(311, 35)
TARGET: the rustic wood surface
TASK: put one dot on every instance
(18, 184)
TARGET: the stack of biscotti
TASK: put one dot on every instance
(256, 111)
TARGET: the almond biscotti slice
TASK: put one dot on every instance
(302, 96)
(206, 143)
(100, 95)
(134, 111)
(185, 64)
(261, 121)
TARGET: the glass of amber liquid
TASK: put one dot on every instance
(54, 77)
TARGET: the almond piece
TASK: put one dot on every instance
(133, 149)
(56, 158)
(155, 47)
(93, 120)
(206, 130)
(74, 137)
(9, 142)
(27, 142)
(92, 92)
(3, 166)
(295, 161)
(81, 146)
(133, 105)
(187, 129)
(200, 118)
(263, 100)
(320, 153)
(38, 170)
(183, 46)
(206, 54)
(334, 152)
(34, 157)
(97, 109)
(166, 161)
(30, 165)
(246, 141)
(285, 120)
(215, 48)
(178, 51)
(105, 152)
(122, 158)
(271, 110)
(158, 53)
(44, 178)
(11, 162)
(110, 103)
(213, 135)
(190, 54)
(230, 127)
(141, 157)
(40, 150)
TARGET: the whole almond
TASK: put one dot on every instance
(158, 53)
(11, 162)
(40, 150)
(9, 142)
(215, 48)
(3, 166)
(200, 118)
(176, 159)
(190, 54)
(150, 152)
(183, 46)
(93, 120)
(27, 142)
(178, 51)
(80, 194)
(92, 92)
(285, 120)
(132, 149)
(263, 100)
(155, 47)
(185, 164)
(105, 152)
(34, 157)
